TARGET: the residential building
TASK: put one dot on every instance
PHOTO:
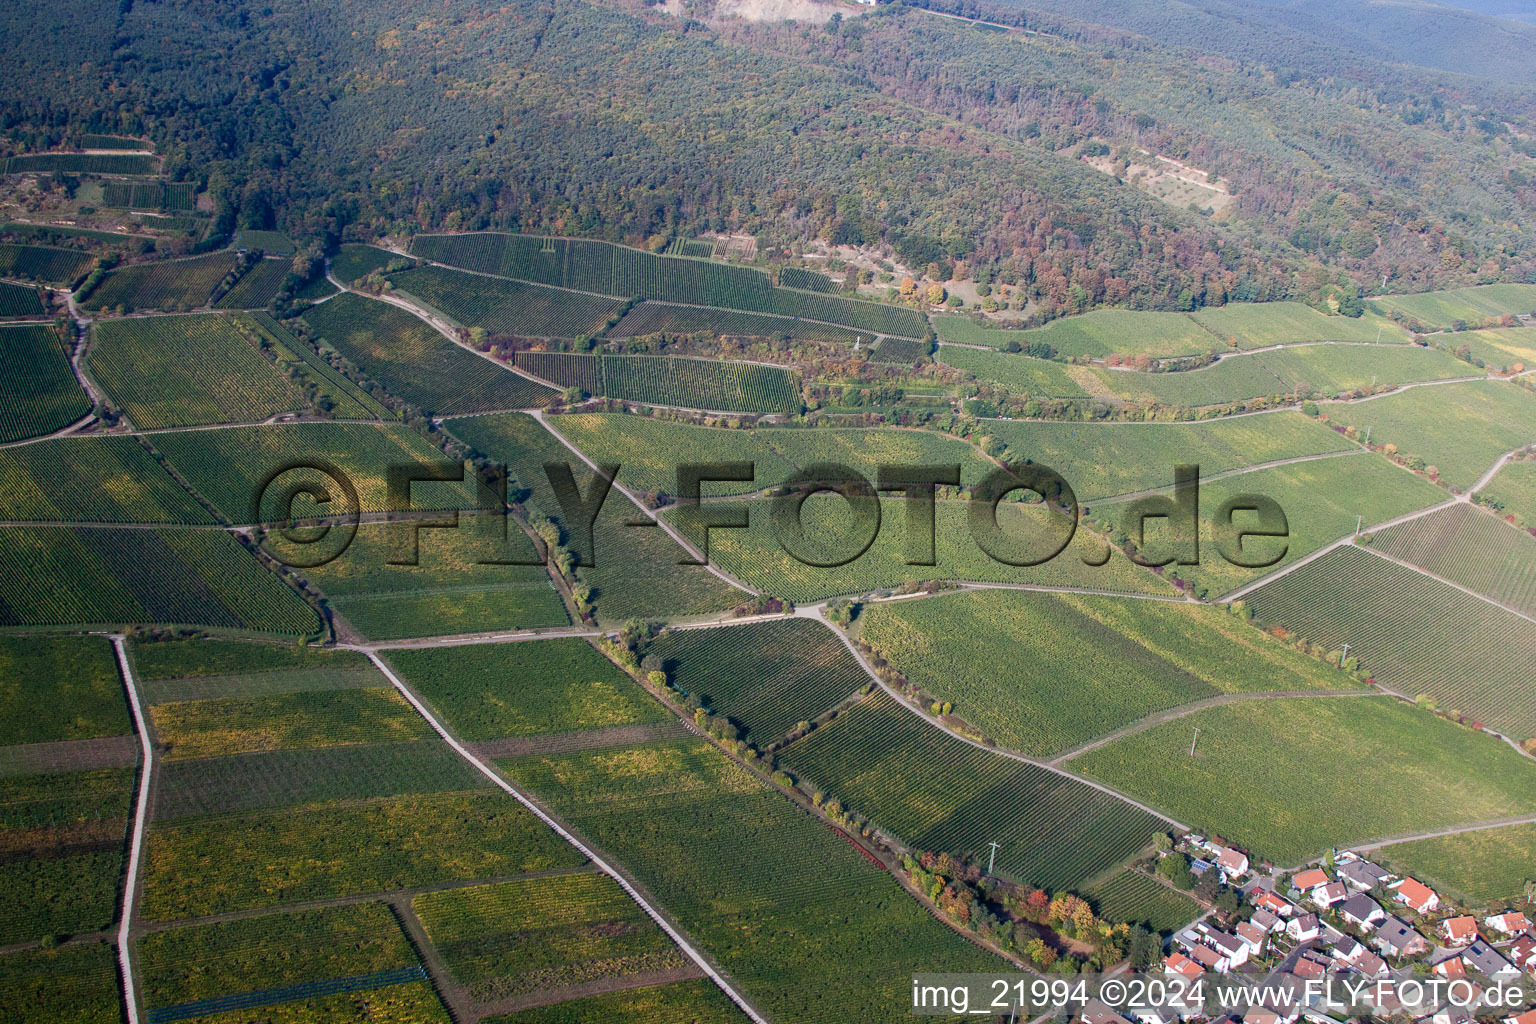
(1362, 912)
(1233, 863)
(1458, 931)
(1267, 921)
(1508, 923)
(1327, 895)
(1394, 937)
(1362, 875)
(1485, 959)
(1306, 881)
(1416, 896)
(1303, 928)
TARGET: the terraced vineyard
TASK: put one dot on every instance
(1040, 673)
(728, 858)
(167, 285)
(91, 479)
(608, 269)
(766, 676)
(1412, 633)
(940, 793)
(57, 576)
(1469, 547)
(1490, 866)
(660, 317)
(671, 381)
(1020, 374)
(1242, 781)
(18, 300)
(507, 307)
(413, 362)
(257, 287)
(1132, 897)
(179, 371)
(1442, 309)
(1460, 429)
(38, 390)
(40, 263)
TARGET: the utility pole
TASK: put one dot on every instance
(1194, 741)
(1359, 521)
(992, 859)
(1344, 657)
(1367, 435)
(1378, 335)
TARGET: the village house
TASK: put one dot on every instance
(1481, 957)
(1252, 936)
(1303, 928)
(1508, 923)
(1306, 881)
(1267, 921)
(1395, 938)
(1528, 1017)
(1362, 912)
(1098, 1013)
(1522, 952)
(1448, 1014)
(1325, 896)
(1362, 875)
(1178, 963)
(1311, 965)
(1233, 863)
(1233, 949)
(1274, 903)
(1416, 896)
(1259, 1015)
(1450, 967)
(1458, 931)
(1209, 959)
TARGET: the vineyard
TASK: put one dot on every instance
(57, 576)
(1442, 309)
(900, 350)
(1136, 899)
(178, 371)
(78, 982)
(167, 285)
(1460, 429)
(543, 934)
(806, 280)
(258, 286)
(40, 263)
(267, 241)
(648, 451)
(354, 261)
(177, 663)
(17, 300)
(1406, 771)
(1412, 633)
(150, 195)
(457, 587)
(1257, 324)
(81, 163)
(91, 480)
(1513, 492)
(660, 317)
(1104, 459)
(415, 363)
(1089, 664)
(506, 307)
(1020, 374)
(285, 721)
(1511, 348)
(491, 691)
(1490, 866)
(672, 381)
(38, 390)
(696, 1002)
(1469, 547)
(766, 676)
(125, 142)
(1096, 334)
(347, 400)
(268, 858)
(739, 867)
(60, 688)
(228, 467)
(614, 270)
(940, 793)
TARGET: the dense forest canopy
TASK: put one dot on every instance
(941, 140)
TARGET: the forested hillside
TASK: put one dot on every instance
(938, 140)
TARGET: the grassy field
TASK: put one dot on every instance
(743, 870)
(1441, 309)
(451, 589)
(1096, 334)
(682, 1002)
(1322, 500)
(228, 467)
(489, 691)
(185, 965)
(57, 576)
(756, 556)
(91, 480)
(1491, 866)
(243, 725)
(45, 264)
(1471, 548)
(1136, 899)
(1461, 429)
(75, 983)
(1412, 633)
(181, 371)
(333, 389)
(1257, 324)
(1056, 670)
(235, 862)
(636, 570)
(38, 390)
(166, 285)
(415, 363)
(1513, 492)
(671, 381)
(1502, 348)
(506, 307)
(660, 317)
(765, 676)
(60, 688)
(1104, 459)
(938, 792)
(258, 286)
(274, 779)
(1253, 778)
(1020, 374)
(353, 261)
(530, 935)
(649, 450)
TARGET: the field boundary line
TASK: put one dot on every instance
(1453, 830)
(813, 612)
(136, 848)
(548, 819)
(1115, 499)
(1450, 583)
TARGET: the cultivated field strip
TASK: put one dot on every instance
(1468, 546)
(507, 307)
(937, 792)
(671, 381)
(1132, 897)
(38, 390)
(670, 318)
(110, 479)
(258, 286)
(166, 285)
(1412, 633)
(45, 264)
